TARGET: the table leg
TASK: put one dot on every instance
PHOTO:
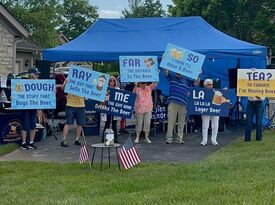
(109, 157)
(101, 159)
(117, 159)
(93, 157)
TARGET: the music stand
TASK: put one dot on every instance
(236, 107)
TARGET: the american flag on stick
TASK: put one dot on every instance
(84, 154)
(128, 155)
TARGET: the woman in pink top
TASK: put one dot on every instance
(143, 108)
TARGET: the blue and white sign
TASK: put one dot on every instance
(87, 83)
(33, 94)
(117, 103)
(138, 69)
(208, 102)
(159, 113)
(182, 61)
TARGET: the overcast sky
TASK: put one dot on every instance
(113, 8)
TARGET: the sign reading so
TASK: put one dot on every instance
(182, 61)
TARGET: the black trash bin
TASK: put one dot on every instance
(92, 126)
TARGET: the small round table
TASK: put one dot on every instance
(103, 146)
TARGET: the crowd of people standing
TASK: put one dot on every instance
(177, 113)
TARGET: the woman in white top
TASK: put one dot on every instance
(208, 83)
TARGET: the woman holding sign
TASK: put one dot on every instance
(143, 109)
(208, 83)
(109, 118)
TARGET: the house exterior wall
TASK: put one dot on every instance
(6, 50)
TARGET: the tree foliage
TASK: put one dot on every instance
(47, 18)
(140, 8)
(78, 15)
(250, 20)
(40, 17)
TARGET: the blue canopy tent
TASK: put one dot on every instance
(107, 39)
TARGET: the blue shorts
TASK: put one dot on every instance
(28, 119)
(75, 112)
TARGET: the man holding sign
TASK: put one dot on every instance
(75, 108)
(255, 106)
(187, 65)
(256, 84)
(179, 93)
(29, 117)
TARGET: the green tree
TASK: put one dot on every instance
(139, 9)
(153, 8)
(40, 17)
(249, 20)
(134, 9)
(77, 16)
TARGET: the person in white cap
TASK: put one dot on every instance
(208, 83)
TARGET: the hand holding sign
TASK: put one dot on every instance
(182, 61)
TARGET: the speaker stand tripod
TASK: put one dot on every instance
(235, 112)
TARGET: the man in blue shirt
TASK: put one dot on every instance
(179, 93)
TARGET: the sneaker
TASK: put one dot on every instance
(168, 141)
(64, 143)
(180, 141)
(215, 143)
(32, 146)
(24, 146)
(77, 142)
(148, 141)
(203, 143)
(136, 141)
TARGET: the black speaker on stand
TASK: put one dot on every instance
(44, 67)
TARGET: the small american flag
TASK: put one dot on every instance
(128, 154)
(84, 154)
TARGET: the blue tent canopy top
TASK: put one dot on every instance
(107, 39)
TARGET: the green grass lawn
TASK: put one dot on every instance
(241, 173)
(7, 148)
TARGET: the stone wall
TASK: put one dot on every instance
(6, 51)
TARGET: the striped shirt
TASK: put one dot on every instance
(179, 89)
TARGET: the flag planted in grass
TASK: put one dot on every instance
(84, 154)
(128, 154)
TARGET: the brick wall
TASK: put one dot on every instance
(6, 51)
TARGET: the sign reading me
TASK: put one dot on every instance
(117, 103)
(182, 61)
(33, 94)
(256, 82)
